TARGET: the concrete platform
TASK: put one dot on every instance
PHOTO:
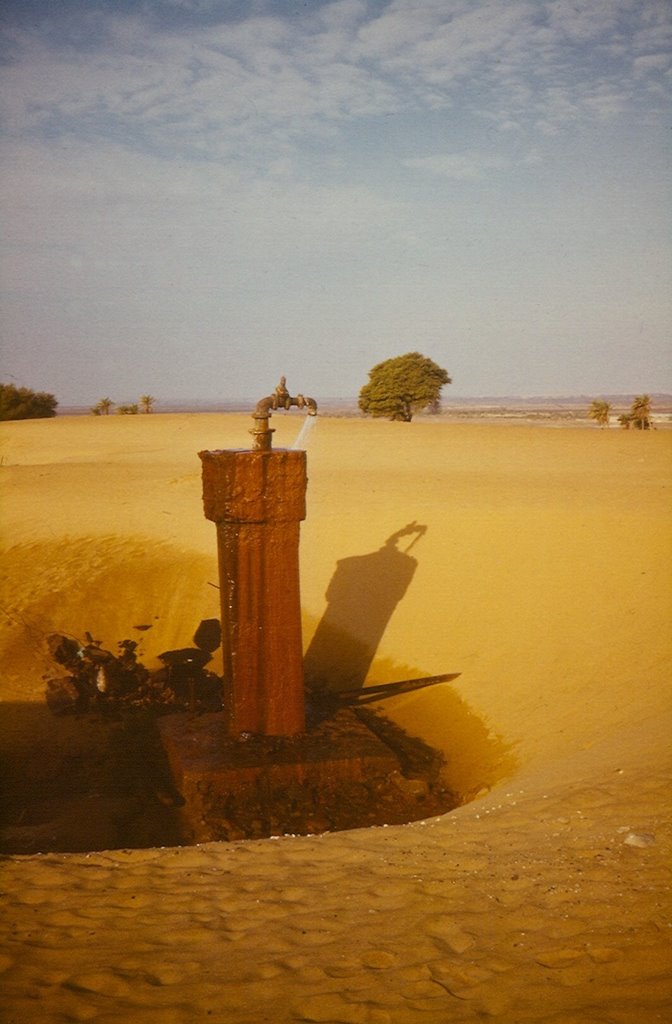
(329, 778)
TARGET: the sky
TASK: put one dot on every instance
(198, 196)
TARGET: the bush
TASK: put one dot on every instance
(24, 404)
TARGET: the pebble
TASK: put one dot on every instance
(640, 839)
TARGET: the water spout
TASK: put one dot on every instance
(302, 436)
(280, 399)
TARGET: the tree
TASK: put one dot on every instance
(599, 411)
(25, 404)
(128, 410)
(639, 416)
(103, 407)
(640, 412)
(147, 402)
(402, 386)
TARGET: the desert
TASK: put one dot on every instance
(540, 572)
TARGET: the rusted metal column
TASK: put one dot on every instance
(258, 499)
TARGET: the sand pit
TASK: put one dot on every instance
(542, 576)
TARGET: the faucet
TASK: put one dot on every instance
(280, 399)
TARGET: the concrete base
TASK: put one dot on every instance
(337, 775)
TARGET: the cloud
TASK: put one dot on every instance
(651, 62)
(273, 171)
(230, 92)
(586, 20)
(466, 166)
(233, 88)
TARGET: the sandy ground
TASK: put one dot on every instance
(542, 575)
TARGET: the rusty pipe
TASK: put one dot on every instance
(265, 407)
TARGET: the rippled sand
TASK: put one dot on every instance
(543, 577)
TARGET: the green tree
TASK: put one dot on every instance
(103, 407)
(639, 415)
(599, 411)
(25, 404)
(128, 410)
(402, 386)
(640, 412)
(147, 403)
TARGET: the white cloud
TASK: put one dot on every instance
(652, 62)
(467, 166)
(236, 86)
(586, 20)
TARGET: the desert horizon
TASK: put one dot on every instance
(540, 573)
(476, 405)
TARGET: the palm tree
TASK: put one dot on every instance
(103, 407)
(640, 412)
(146, 401)
(599, 411)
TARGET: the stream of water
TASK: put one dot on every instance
(302, 437)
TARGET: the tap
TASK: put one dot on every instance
(265, 407)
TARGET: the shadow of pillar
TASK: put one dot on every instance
(361, 598)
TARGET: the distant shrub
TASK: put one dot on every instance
(25, 404)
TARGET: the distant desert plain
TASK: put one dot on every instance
(540, 570)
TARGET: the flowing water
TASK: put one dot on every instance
(302, 437)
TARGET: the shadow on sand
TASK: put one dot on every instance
(361, 598)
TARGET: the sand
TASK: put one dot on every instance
(542, 575)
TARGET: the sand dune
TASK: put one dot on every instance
(538, 567)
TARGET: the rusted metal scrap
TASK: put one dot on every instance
(370, 694)
(100, 680)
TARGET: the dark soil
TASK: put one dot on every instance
(83, 782)
(95, 769)
(92, 781)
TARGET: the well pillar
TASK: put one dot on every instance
(257, 500)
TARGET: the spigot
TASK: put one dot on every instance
(280, 399)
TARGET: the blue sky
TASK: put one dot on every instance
(200, 195)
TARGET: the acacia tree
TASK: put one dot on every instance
(599, 411)
(25, 404)
(402, 386)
